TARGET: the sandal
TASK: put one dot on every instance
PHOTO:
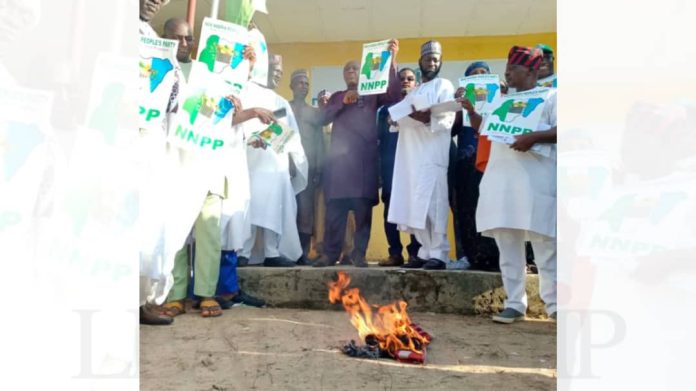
(210, 308)
(173, 308)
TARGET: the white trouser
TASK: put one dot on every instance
(433, 244)
(513, 268)
(271, 241)
(155, 291)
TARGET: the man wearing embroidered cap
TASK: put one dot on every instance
(518, 196)
(419, 203)
(310, 124)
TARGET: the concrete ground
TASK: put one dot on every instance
(298, 349)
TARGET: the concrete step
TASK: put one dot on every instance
(444, 291)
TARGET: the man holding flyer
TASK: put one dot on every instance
(350, 168)
(419, 203)
(518, 189)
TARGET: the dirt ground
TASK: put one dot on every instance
(290, 349)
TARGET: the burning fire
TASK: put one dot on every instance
(389, 325)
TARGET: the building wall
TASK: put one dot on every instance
(457, 52)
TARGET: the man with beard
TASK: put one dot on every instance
(350, 170)
(388, 139)
(275, 178)
(309, 121)
(419, 202)
(518, 196)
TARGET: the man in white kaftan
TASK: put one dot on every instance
(168, 202)
(419, 203)
(273, 184)
(518, 197)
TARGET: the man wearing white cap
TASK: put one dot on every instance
(419, 203)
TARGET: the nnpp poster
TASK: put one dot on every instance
(157, 76)
(221, 49)
(481, 91)
(204, 118)
(374, 68)
(259, 74)
(515, 114)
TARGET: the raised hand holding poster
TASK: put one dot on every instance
(481, 91)
(374, 68)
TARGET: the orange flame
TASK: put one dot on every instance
(389, 324)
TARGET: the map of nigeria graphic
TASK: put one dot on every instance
(230, 53)
(199, 103)
(511, 106)
(156, 68)
(374, 63)
(480, 92)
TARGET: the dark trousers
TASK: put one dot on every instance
(335, 226)
(481, 251)
(393, 238)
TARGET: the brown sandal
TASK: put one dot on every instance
(173, 308)
(210, 308)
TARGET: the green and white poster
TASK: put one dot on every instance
(481, 91)
(259, 74)
(204, 120)
(221, 49)
(157, 77)
(515, 114)
(275, 136)
(374, 68)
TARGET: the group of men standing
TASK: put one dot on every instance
(263, 207)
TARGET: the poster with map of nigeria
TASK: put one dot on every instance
(221, 49)
(203, 121)
(157, 77)
(515, 114)
(481, 91)
(374, 68)
(259, 74)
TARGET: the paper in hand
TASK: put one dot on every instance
(276, 136)
(401, 109)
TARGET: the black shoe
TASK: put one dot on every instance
(435, 264)
(324, 261)
(242, 261)
(359, 262)
(414, 263)
(149, 317)
(278, 262)
(393, 260)
(346, 260)
(303, 261)
(242, 298)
